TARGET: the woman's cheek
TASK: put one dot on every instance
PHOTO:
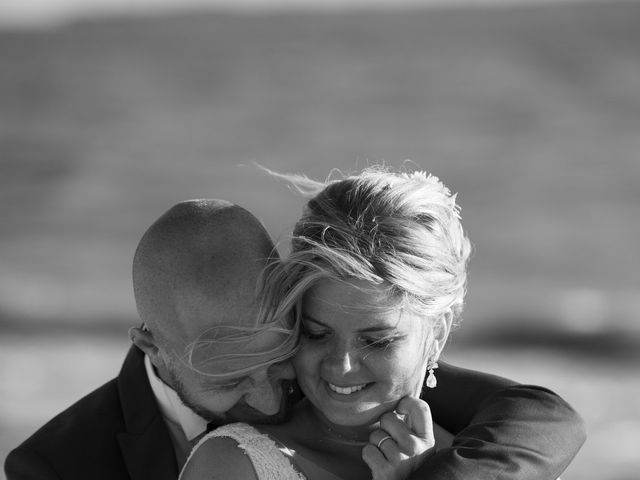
(306, 357)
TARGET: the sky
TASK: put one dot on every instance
(45, 13)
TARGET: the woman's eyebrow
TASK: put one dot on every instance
(378, 329)
(373, 329)
(309, 318)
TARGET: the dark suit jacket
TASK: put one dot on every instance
(504, 430)
(115, 432)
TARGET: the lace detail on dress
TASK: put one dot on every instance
(268, 460)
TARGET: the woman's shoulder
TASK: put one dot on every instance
(238, 451)
(218, 457)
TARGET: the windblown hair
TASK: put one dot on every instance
(200, 355)
(398, 231)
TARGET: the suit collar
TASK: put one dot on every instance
(145, 444)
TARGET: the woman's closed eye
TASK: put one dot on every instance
(314, 334)
(378, 343)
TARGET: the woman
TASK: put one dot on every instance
(376, 276)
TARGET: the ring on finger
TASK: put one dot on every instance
(382, 440)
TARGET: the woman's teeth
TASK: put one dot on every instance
(346, 390)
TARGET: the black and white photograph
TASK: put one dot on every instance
(320, 239)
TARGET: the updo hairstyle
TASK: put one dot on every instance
(398, 231)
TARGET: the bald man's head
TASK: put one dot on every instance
(198, 266)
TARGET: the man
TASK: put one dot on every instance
(195, 273)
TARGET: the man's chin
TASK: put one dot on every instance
(245, 413)
(262, 419)
(248, 414)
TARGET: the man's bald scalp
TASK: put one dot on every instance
(198, 266)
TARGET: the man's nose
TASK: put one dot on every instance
(266, 396)
(282, 371)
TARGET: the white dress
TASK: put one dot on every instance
(269, 461)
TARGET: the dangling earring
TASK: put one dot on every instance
(431, 381)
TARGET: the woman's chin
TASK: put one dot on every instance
(352, 418)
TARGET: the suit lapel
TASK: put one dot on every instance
(145, 445)
(146, 457)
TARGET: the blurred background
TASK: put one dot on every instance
(530, 110)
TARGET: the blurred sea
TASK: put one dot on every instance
(531, 113)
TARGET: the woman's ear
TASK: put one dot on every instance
(143, 339)
(441, 330)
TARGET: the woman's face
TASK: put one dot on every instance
(356, 362)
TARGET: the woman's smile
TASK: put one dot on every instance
(346, 390)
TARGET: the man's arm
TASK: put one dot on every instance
(24, 464)
(503, 429)
(459, 394)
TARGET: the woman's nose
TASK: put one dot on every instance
(341, 361)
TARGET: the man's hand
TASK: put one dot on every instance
(404, 440)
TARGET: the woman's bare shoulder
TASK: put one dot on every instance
(218, 458)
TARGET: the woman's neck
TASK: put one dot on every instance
(344, 435)
(334, 448)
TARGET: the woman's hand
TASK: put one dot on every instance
(405, 439)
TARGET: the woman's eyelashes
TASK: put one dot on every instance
(379, 343)
(314, 334)
(364, 341)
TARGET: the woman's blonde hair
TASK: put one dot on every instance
(398, 231)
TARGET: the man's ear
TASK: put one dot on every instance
(143, 339)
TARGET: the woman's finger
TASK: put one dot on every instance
(386, 444)
(408, 442)
(417, 416)
(375, 460)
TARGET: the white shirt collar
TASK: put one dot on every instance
(172, 407)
